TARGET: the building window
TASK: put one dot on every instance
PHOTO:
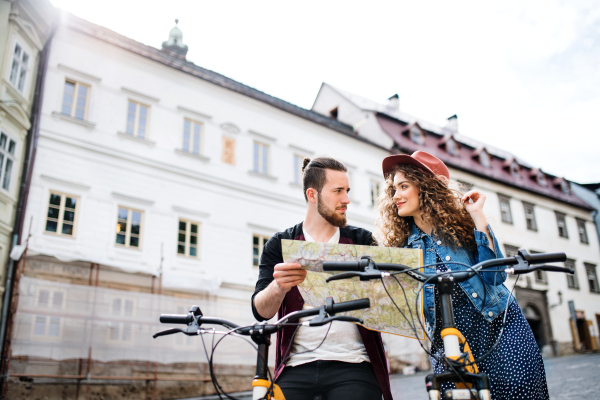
(416, 135)
(192, 135)
(505, 209)
(464, 186)
(261, 158)
(121, 331)
(452, 147)
(137, 119)
(258, 242)
(530, 216)
(47, 325)
(540, 276)
(187, 238)
(298, 163)
(62, 209)
(562, 224)
(334, 113)
(375, 191)
(583, 237)
(572, 281)
(75, 100)
(590, 270)
(515, 171)
(564, 186)
(7, 159)
(129, 227)
(541, 178)
(19, 68)
(484, 158)
(228, 156)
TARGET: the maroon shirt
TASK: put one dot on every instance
(293, 301)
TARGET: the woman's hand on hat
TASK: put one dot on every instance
(474, 201)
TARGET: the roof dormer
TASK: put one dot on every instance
(450, 144)
(415, 133)
(483, 157)
(539, 177)
(513, 167)
(563, 184)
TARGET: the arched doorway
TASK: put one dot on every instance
(534, 318)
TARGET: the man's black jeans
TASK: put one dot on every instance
(332, 380)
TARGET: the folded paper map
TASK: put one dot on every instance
(382, 316)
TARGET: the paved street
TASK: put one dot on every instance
(570, 377)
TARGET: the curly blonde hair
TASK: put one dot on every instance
(441, 208)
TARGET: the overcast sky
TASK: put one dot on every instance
(523, 76)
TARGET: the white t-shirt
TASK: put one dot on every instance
(343, 342)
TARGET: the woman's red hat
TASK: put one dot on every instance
(419, 159)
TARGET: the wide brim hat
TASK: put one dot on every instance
(421, 159)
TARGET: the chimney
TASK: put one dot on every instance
(394, 102)
(452, 123)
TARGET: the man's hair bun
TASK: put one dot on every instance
(305, 163)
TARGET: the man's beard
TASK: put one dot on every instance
(330, 215)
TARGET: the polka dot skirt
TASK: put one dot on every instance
(515, 367)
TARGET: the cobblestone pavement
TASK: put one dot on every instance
(569, 378)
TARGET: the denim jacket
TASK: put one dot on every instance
(492, 288)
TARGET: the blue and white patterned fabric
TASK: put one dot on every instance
(515, 367)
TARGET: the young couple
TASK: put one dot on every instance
(418, 210)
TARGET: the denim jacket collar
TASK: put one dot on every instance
(415, 233)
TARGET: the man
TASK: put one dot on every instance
(350, 363)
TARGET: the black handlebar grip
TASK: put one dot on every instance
(351, 305)
(176, 319)
(546, 258)
(342, 266)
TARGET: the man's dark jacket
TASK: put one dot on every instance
(293, 301)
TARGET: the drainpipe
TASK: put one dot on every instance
(30, 151)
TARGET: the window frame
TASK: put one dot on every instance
(297, 169)
(47, 317)
(188, 235)
(582, 231)
(61, 211)
(128, 232)
(6, 156)
(117, 319)
(540, 275)
(259, 167)
(530, 207)
(136, 122)
(378, 186)
(561, 217)
(24, 50)
(572, 280)
(75, 97)
(261, 238)
(504, 199)
(592, 267)
(416, 134)
(192, 142)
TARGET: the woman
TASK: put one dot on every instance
(418, 210)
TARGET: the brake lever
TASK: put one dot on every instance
(343, 318)
(343, 275)
(168, 332)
